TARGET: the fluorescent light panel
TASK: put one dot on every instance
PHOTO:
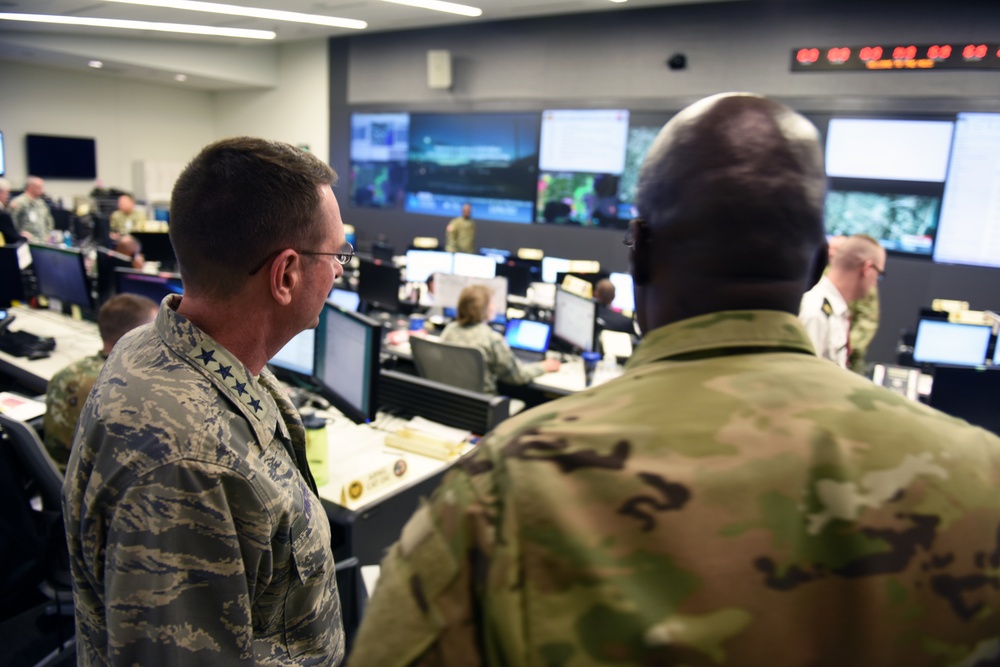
(439, 6)
(253, 12)
(140, 25)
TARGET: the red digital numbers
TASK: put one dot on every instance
(974, 51)
(939, 52)
(838, 55)
(807, 56)
(869, 53)
(904, 53)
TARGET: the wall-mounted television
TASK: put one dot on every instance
(886, 178)
(379, 146)
(487, 160)
(70, 158)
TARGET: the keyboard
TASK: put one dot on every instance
(25, 344)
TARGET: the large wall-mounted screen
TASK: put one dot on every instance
(487, 160)
(886, 179)
(379, 146)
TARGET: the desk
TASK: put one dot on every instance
(569, 378)
(75, 339)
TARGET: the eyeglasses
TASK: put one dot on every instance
(881, 272)
(343, 256)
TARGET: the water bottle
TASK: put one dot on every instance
(316, 448)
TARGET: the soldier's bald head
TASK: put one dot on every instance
(731, 193)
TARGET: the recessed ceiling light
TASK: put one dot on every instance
(619, 1)
(96, 64)
(180, 77)
(140, 25)
(253, 12)
(439, 6)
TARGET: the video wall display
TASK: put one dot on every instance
(922, 185)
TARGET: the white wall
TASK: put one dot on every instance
(129, 119)
(296, 111)
(132, 120)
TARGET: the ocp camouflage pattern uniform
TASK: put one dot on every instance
(64, 398)
(193, 536)
(731, 499)
(460, 235)
(32, 216)
(864, 325)
(500, 360)
(123, 223)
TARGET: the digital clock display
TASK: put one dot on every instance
(886, 57)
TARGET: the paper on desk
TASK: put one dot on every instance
(20, 408)
(439, 430)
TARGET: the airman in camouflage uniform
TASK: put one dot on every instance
(864, 326)
(126, 218)
(460, 234)
(30, 212)
(64, 398)
(731, 499)
(470, 330)
(194, 528)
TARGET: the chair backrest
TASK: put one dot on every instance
(36, 461)
(457, 365)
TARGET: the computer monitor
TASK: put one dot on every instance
(528, 335)
(345, 299)
(150, 285)
(107, 262)
(298, 354)
(347, 362)
(448, 288)
(969, 394)
(942, 342)
(378, 285)
(421, 264)
(996, 355)
(475, 266)
(624, 292)
(575, 320)
(518, 277)
(156, 247)
(499, 255)
(11, 287)
(61, 274)
(552, 266)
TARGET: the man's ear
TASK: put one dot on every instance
(820, 260)
(639, 255)
(285, 276)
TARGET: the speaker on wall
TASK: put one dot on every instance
(439, 69)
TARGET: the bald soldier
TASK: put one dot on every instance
(731, 499)
(195, 533)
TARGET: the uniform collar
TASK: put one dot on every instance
(227, 373)
(719, 331)
(830, 292)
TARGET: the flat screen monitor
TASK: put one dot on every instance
(528, 335)
(552, 266)
(155, 286)
(11, 287)
(61, 157)
(298, 354)
(486, 160)
(378, 285)
(448, 289)
(347, 362)
(888, 149)
(970, 217)
(476, 266)
(108, 261)
(575, 320)
(943, 342)
(499, 255)
(642, 131)
(624, 292)
(379, 146)
(421, 264)
(156, 247)
(519, 277)
(3, 157)
(61, 274)
(904, 222)
(345, 299)
(996, 355)
(969, 394)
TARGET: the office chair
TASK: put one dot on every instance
(459, 366)
(34, 560)
(353, 598)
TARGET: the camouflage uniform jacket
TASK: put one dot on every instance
(500, 360)
(32, 216)
(731, 499)
(864, 326)
(193, 536)
(460, 235)
(124, 223)
(64, 399)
